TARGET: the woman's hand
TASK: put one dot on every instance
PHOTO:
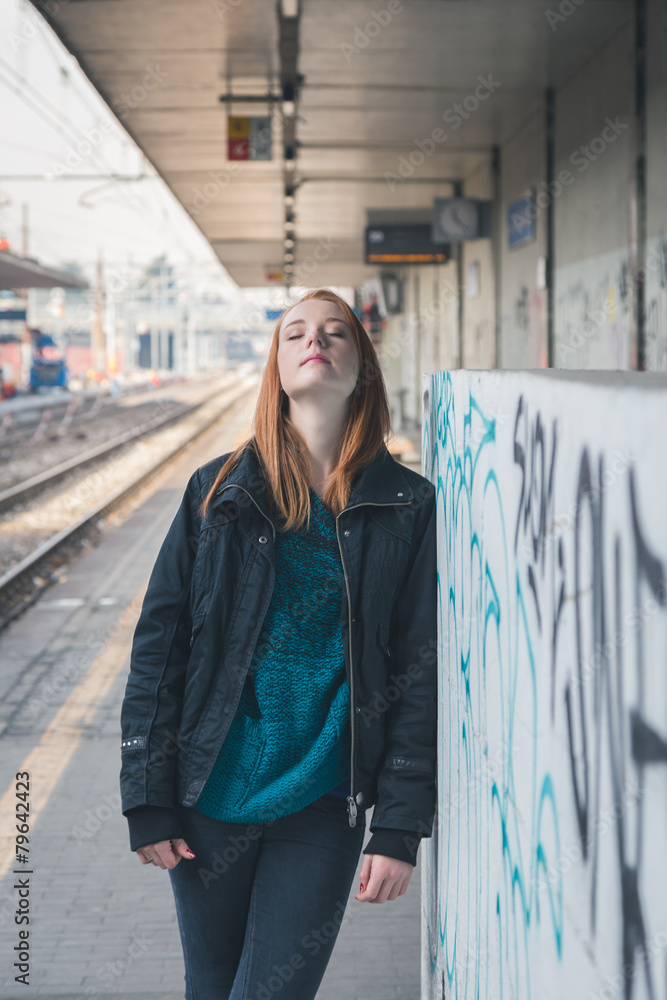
(165, 854)
(383, 878)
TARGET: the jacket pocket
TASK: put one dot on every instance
(197, 624)
(383, 639)
(410, 764)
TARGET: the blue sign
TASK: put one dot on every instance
(13, 314)
(274, 313)
(521, 226)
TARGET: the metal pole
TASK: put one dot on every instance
(550, 100)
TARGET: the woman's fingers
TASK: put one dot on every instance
(160, 855)
(166, 853)
(388, 879)
(181, 849)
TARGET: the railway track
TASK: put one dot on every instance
(23, 584)
(23, 491)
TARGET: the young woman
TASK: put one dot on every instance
(283, 673)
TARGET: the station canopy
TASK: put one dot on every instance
(353, 91)
(26, 272)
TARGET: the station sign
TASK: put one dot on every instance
(521, 224)
(249, 138)
(404, 244)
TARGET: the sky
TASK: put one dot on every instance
(47, 106)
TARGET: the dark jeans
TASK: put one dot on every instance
(260, 907)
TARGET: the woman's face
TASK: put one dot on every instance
(317, 327)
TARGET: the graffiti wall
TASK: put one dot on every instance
(546, 875)
(656, 305)
(594, 300)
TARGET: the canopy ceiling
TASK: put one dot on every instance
(369, 90)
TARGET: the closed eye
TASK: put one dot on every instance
(295, 335)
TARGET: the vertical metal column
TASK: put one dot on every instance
(458, 193)
(550, 122)
(640, 183)
(496, 251)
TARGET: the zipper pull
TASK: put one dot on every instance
(352, 810)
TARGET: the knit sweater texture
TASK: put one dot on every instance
(289, 740)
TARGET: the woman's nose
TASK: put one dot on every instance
(315, 335)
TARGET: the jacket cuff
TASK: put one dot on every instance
(399, 844)
(151, 824)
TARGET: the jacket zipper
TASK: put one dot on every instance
(351, 801)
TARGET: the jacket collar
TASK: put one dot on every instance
(382, 482)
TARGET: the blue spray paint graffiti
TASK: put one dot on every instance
(534, 742)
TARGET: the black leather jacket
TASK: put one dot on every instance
(207, 597)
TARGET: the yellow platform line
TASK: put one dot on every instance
(49, 759)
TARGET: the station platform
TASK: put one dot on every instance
(101, 924)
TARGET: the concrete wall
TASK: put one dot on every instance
(594, 299)
(479, 309)
(545, 875)
(523, 305)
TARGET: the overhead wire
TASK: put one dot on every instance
(67, 130)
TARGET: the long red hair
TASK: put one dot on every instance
(282, 450)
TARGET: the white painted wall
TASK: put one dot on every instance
(545, 875)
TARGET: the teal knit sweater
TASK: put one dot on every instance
(289, 740)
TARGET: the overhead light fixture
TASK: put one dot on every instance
(289, 226)
(289, 243)
(289, 257)
(289, 200)
(289, 8)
